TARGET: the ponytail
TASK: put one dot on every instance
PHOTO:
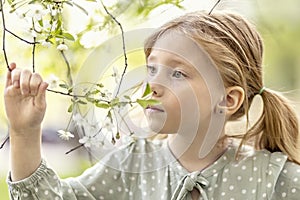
(277, 129)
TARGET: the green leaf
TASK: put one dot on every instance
(68, 36)
(102, 105)
(147, 90)
(81, 102)
(63, 85)
(70, 109)
(114, 102)
(127, 97)
(147, 102)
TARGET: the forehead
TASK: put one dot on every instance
(178, 47)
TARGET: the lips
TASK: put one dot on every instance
(154, 108)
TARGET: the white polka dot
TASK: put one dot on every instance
(253, 191)
(145, 193)
(93, 188)
(106, 170)
(115, 177)
(244, 167)
(264, 195)
(214, 170)
(101, 197)
(54, 177)
(119, 189)
(231, 187)
(144, 181)
(269, 185)
(210, 189)
(278, 159)
(85, 194)
(130, 193)
(152, 177)
(126, 190)
(132, 178)
(225, 158)
(153, 189)
(216, 185)
(223, 193)
(282, 183)
(298, 170)
(293, 190)
(239, 178)
(259, 180)
(215, 175)
(284, 171)
(255, 169)
(36, 190)
(226, 170)
(110, 191)
(244, 191)
(296, 179)
(103, 182)
(25, 195)
(251, 179)
(70, 190)
(283, 194)
(254, 158)
(136, 165)
(166, 188)
(224, 180)
(46, 192)
(270, 173)
(231, 199)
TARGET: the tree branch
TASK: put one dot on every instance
(123, 43)
(4, 142)
(4, 36)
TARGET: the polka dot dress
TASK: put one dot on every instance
(263, 175)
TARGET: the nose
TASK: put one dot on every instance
(156, 89)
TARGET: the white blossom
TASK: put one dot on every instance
(65, 135)
(62, 47)
(46, 44)
(53, 81)
(90, 141)
(37, 12)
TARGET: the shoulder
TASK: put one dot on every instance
(288, 184)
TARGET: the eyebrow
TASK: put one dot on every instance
(175, 61)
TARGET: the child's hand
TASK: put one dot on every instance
(25, 102)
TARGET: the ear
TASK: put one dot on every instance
(233, 100)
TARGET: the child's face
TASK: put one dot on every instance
(176, 69)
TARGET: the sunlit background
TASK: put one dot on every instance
(277, 21)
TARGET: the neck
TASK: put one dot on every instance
(187, 153)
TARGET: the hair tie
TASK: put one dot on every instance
(261, 90)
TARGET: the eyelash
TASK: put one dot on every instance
(152, 70)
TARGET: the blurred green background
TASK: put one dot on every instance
(277, 21)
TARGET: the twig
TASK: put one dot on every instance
(4, 142)
(23, 40)
(4, 35)
(72, 95)
(33, 54)
(75, 148)
(214, 7)
(123, 43)
(69, 75)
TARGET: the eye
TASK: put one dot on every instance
(178, 74)
(151, 70)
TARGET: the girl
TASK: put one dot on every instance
(205, 69)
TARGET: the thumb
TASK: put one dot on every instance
(41, 95)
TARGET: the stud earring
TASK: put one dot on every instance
(220, 109)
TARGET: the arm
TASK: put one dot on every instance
(25, 105)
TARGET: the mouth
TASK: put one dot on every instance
(154, 109)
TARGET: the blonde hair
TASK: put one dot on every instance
(237, 50)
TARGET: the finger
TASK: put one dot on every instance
(35, 82)
(25, 81)
(8, 76)
(15, 78)
(41, 95)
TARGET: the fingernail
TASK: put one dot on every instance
(16, 84)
